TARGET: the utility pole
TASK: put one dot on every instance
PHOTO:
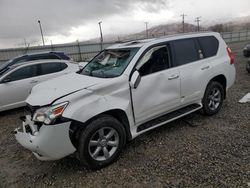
(183, 22)
(25, 43)
(51, 44)
(146, 23)
(198, 20)
(101, 39)
(40, 26)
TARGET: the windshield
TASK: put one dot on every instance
(109, 63)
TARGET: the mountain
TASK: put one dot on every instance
(236, 24)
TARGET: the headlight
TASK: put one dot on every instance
(48, 115)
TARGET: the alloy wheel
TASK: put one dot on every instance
(214, 99)
(103, 144)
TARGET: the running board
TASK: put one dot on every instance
(169, 117)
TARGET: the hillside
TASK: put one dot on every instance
(236, 24)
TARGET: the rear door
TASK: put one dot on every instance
(194, 68)
(51, 70)
(159, 88)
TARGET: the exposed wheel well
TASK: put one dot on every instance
(76, 127)
(121, 116)
(222, 80)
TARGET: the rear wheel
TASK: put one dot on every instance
(101, 142)
(213, 98)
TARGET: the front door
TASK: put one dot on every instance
(14, 92)
(159, 89)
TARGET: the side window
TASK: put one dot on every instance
(63, 66)
(49, 68)
(156, 59)
(185, 51)
(209, 46)
(23, 73)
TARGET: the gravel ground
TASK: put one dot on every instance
(213, 153)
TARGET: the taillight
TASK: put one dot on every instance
(230, 54)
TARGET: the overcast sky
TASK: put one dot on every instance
(69, 20)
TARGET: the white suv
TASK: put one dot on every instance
(124, 91)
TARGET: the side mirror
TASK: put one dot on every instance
(135, 79)
(6, 79)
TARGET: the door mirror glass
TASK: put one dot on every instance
(135, 79)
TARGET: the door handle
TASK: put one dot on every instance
(33, 81)
(172, 77)
(206, 67)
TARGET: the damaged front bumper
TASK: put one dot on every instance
(49, 142)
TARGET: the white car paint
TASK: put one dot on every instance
(73, 81)
(13, 94)
(158, 93)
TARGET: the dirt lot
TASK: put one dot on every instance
(215, 153)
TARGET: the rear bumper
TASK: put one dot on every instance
(50, 142)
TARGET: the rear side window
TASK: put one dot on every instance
(49, 68)
(185, 51)
(209, 46)
(23, 73)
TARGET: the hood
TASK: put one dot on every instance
(47, 92)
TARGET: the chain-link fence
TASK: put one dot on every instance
(83, 52)
(77, 51)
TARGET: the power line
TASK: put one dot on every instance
(198, 20)
(183, 22)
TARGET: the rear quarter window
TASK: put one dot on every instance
(209, 45)
(49, 68)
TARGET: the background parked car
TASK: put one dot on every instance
(17, 82)
(248, 65)
(246, 51)
(33, 57)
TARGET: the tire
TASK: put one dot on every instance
(213, 98)
(248, 66)
(101, 142)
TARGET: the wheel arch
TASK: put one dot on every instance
(77, 127)
(222, 80)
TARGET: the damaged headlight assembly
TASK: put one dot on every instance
(48, 115)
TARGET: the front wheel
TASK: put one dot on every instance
(101, 142)
(213, 98)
